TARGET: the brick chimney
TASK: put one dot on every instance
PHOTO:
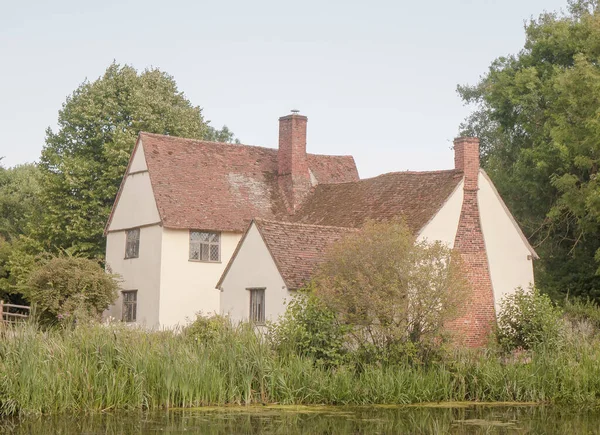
(466, 159)
(477, 322)
(294, 177)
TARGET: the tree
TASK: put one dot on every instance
(19, 196)
(389, 288)
(536, 113)
(71, 288)
(83, 162)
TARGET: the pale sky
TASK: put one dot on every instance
(377, 79)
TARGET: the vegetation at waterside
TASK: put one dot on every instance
(93, 367)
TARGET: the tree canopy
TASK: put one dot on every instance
(537, 114)
(19, 192)
(83, 162)
(389, 288)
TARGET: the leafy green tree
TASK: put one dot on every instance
(71, 288)
(222, 135)
(390, 290)
(83, 161)
(19, 198)
(536, 113)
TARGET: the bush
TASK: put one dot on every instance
(396, 294)
(70, 288)
(208, 329)
(309, 329)
(528, 319)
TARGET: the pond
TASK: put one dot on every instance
(459, 419)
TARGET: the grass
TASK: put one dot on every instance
(95, 368)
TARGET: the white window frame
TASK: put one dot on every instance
(199, 247)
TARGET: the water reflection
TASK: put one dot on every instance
(317, 420)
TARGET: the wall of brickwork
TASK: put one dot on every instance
(294, 177)
(476, 324)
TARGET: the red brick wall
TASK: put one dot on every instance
(475, 326)
(294, 178)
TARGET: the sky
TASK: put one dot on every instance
(376, 79)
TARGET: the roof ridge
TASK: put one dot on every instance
(211, 142)
(260, 220)
(437, 171)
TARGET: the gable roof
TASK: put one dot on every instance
(416, 196)
(217, 186)
(296, 249)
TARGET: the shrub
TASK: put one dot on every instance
(71, 288)
(308, 328)
(528, 319)
(390, 289)
(208, 329)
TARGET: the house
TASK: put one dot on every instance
(460, 207)
(254, 222)
(183, 206)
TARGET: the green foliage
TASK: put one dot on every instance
(309, 329)
(208, 329)
(92, 368)
(19, 192)
(391, 291)
(527, 320)
(71, 289)
(536, 113)
(223, 135)
(18, 258)
(83, 162)
(583, 310)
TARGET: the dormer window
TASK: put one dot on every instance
(205, 246)
(132, 243)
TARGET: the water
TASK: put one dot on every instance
(321, 420)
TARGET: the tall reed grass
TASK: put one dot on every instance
(98, 368)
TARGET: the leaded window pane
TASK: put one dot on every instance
(214, 252)
(205, 246)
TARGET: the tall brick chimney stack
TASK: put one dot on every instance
(466, 159)
(294, 177)
(476, 324)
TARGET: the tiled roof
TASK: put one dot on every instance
(216, 186)
(415, 196)
(298, 249)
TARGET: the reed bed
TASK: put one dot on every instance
(95, 368)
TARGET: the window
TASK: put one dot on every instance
(129, 305)
(132, 244)
(205, 246)
(257, 305)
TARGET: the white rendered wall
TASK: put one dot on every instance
(507, 252)
(253, 267)
(141, 274)
(188, 287)
(444, 224)
(136, 206)
(138, 163)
